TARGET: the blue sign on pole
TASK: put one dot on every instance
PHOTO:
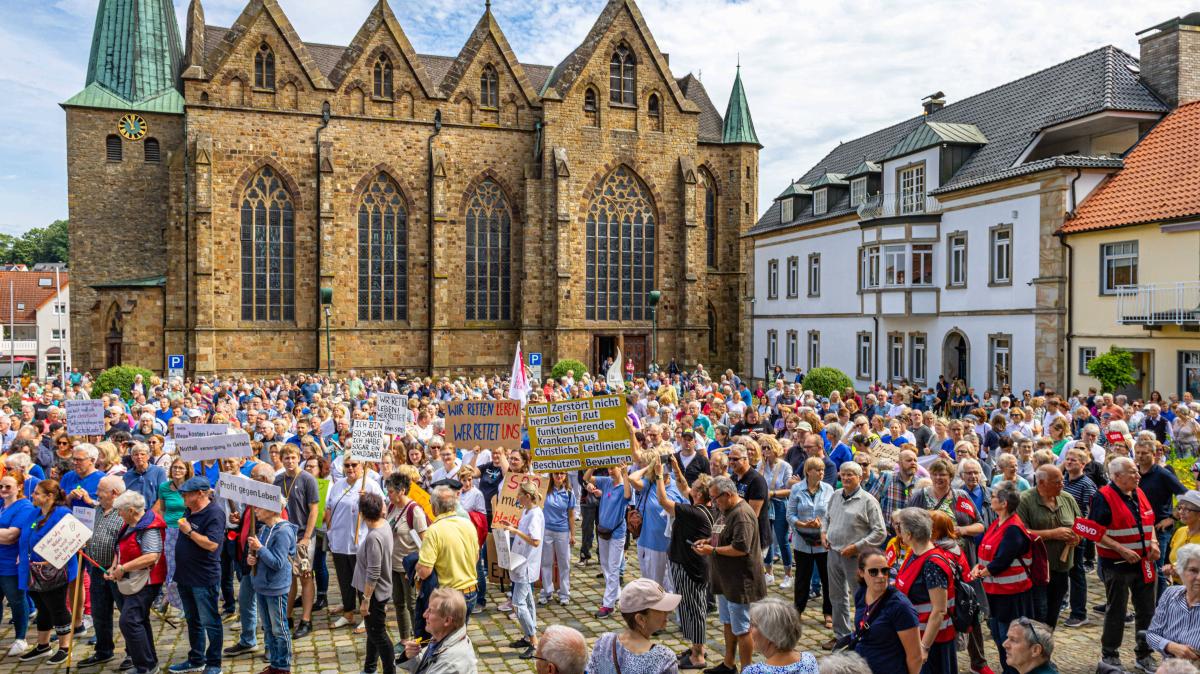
(535, 358)
(175, 365)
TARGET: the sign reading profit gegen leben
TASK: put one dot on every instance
(578, 434)
(490, 424)
(241, 489)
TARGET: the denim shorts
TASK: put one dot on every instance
(737, 616)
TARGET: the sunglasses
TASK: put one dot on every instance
(877, 571)
(1030, 632)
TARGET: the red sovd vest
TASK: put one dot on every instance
(910, 571)
(1123, 528)
(1014, 579)
(129, 550)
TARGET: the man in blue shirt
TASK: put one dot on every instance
(145, 477)
(198, 575)
(81, 483)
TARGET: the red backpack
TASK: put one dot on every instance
(1039, 569)
(481, 525)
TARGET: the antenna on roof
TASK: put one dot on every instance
(739, 60)
(487, 5)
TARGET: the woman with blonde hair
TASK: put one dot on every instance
(110, 459)
(526, 542)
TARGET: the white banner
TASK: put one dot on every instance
(204, 448)
(392, 410)
(85, 417)
(241, 489)
(199, 430)
(367, 440)
(63, 541)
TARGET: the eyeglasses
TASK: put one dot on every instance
(877, 571)
(737, 458)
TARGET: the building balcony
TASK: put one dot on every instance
(878, 206)
(1157, 304)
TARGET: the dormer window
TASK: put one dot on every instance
(785, 211)
(858, 191)
(820, 202)
(383, 77)
(489, 92)
(912, 189)
(264, 68)
(621, 78)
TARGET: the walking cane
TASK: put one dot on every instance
(76, 602)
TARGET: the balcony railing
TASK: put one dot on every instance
(1159, 304)
(898, 205)
(24, 346)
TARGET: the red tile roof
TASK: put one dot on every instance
(1160, 181)
(26, 293)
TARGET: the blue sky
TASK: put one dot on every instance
(816, 73)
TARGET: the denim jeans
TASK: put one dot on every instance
(136, 628)
(18, 605)
(105, 598)
(228, 551)
(247, 611)
(1047, 599)
(1078, 577)
(276, 635)
(171, 588)
(320, 564)
(780, 546)
(203, 623)
(481, 571)
(522, 601)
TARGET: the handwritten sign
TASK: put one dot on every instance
(183, 431)
(241, 489)
(491, 424)
(579, 434)
(85, 417)
(61, 543)
(367, 440)
(86, 516)
(508, 508)
(392, 410)
(208, 447)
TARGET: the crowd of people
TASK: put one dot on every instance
(926, 520)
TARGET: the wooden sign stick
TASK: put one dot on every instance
(76, 603)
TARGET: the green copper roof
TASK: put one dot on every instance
(864, 168)
(738, 128)
(931, 134)
(146, 282)
(135, 59)
(793, 190)
(836, 179)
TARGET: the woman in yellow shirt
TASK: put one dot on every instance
(1188, 512)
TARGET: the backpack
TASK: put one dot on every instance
(1039, 570)
(966, 609)
(481, 525)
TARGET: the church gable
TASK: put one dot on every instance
(238, 54)
(382, 35)
(486, 48)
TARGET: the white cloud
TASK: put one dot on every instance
(815, 73)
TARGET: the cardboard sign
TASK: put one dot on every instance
(508, 509)
(490, 424)
(208, 447)
(183, 431)
(367, 440)
(86, 516)
(1088, 529)
(241, 489)
(505, 556)
(421, 498)
(61, 543)
(85, 417)
(392, 410)
(496, 573)
(579, 434)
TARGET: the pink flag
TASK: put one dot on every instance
(518, 382)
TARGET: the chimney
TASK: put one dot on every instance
(1170, 59)
(933, 102)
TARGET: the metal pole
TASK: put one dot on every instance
(328, 348)
(62, 370)
(654, 345)
(12, 332)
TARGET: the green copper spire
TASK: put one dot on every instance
(136, 58)
(738, 128)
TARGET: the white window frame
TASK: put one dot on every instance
(814, 275)
(858, 191)
(58, 334)
(895, 265)
(918, 357)
(1001, 255)
(1086, 354)
(793, 276)
(814, 349)
(895, 357)
(911, 192)
(793, 349)
(999, 353)
(956, 260)
(871, 259)
(820, 201)
(60, 308)
(864, 356)
(921, 255)
(773, 347)
(1112, 255)
(786, 211)
(773, 279)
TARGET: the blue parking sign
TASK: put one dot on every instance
(535, 358)
(175, 365)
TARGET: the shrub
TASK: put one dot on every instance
(120, 377)
(1114, 369)
(561, 367)
(824, 380)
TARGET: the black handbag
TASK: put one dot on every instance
(848, 642)
(43, 577)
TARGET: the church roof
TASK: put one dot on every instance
(738, 127)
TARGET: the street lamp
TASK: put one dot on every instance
(653, 298)
(327, 302)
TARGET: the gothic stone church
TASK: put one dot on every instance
(262, 204)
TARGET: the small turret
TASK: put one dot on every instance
(738, 127)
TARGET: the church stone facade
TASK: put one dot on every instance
(452, 206)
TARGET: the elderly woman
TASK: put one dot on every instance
(1004, 557)
(1007, 465)
(645, 606)
(346, 529)
(372, 578)
(807, 513)
(1186, 431)
(775, 631)
(1029, 646)
(16, 514)
(688, 571)
(140, 571)
(408, 523)
(1171, 631)
(927, 578)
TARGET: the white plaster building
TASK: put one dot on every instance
(36, 322)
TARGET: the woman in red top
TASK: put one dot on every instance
(139, 547)
(927, 578)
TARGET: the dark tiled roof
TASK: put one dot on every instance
(1061, 161)
(1009, 116)
(711, 125)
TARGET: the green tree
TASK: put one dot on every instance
(1114, 369)
(39, 244)
(824, 380)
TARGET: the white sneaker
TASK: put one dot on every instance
(18, 647)
(340, 622)
(786, 583)
(770, 578)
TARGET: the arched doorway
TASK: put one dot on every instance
(114, 338)
(956, 357)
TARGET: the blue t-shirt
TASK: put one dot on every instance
(948, 447)
(558, 507)
(89, 484)
(213, 472)
(20, 514)
(36, 471)
(31, 536)
(194, 565)
(612, 506)
(880, 646)
(654, 516)
(841, 454)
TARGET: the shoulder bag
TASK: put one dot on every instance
(848, 642)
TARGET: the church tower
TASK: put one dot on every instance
(124, 140)
(737, 131)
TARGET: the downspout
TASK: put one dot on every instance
(1062, 238)
(317, 213)
(874, 354)
(437, 129)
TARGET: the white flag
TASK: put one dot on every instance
(614, 377)
(518, 382)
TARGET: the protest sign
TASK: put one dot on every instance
(507, 509)
(63, 541)
(886, 451)
(421, 498)
(208, 447)
(392, 410)
(505, 556)
(490, 424)
(367, 440)
(579, 434)
(86, 516)
(241, 489)
(85, 417)
(183, 431)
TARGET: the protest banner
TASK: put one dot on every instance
(579, 434)
(241, 489)
(85, 417)
(63, 541)
(421, 498)
(507, 509)
(86, 516)
(392, 410)
(208, 447)
(489, 424)
(183, 431)
(367, 440)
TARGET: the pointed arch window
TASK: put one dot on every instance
(489, 267)
(620, 249)
(383, 77)
(710, 217)
(654, 111)
(268, 250)
(590, 111)
(489, 88)
(382, 252)
(264, 68)
(621, 76)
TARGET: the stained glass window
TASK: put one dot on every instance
(489, 267)
(489, 93)
(710, 217)
(620, 249)
(382, 253)
(268, 250)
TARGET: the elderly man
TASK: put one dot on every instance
(450, 547)
(561, 650)
(895, 486)
(144, 477)
(449, 651)
(1160, 487)
(1049, 512)
(1127, 554)
(855, 521)
(102, 548)
(198, 576)
(1029, 646)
